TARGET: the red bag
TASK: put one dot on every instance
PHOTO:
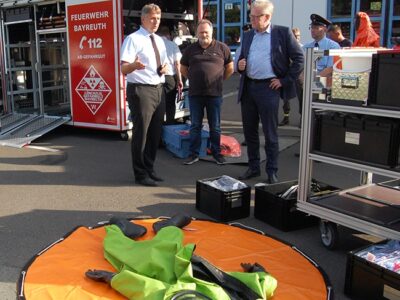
(230, 146)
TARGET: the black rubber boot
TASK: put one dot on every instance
(100, 275)
(130, 229)
(178, 220)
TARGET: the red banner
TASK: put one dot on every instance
(92, 63)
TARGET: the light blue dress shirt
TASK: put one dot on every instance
(324, 44)
(258, 65)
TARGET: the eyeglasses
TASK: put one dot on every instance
(256, 17)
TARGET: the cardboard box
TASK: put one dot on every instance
(220, 205)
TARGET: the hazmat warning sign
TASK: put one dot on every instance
(94, 63)
(93, 90)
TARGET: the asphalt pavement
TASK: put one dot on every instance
(73, 176)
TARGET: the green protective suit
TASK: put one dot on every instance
(159, 268)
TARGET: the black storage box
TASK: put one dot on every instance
(281, 213)
(220, 205)
(368, 281)
(384, 88)
(366, 139)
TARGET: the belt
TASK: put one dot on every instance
(266, 80)
(148, 85)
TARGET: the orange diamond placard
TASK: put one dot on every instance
(93, 90)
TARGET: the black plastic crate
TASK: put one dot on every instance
(366, 280)
(220, 205)
(383, 89)
(355, 137)
(281, 213)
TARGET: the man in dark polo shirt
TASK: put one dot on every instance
(206, 64)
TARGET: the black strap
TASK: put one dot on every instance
(235, 289)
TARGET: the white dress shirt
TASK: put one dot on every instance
(138, 44)
(173, 55)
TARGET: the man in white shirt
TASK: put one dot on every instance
(143, 61)
(173, 78)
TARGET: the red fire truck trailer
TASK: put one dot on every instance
(60, 63)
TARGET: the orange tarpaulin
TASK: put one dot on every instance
(59, 271)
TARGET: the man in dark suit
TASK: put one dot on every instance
(270, 62)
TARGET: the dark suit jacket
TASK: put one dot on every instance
(287, 59)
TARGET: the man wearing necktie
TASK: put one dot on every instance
(143, 61)
(270, 63)
(319, 27)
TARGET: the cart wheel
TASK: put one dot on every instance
(329, 234)
(124, 135)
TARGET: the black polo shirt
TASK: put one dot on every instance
(206, 68)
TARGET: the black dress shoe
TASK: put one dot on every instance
(250, 174)
(154, 176)
(146, 181)
(284, 121)
(272, 179)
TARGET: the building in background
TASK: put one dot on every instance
(384, 15)
(230, 15)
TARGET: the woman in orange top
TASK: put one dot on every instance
(366, 35)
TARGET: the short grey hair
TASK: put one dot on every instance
(205, 21)
(149, 8)
(266, 6)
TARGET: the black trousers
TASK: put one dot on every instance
(170, 97)
(147, 107)
(260, 103)
(299, 93)
(286, 107)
